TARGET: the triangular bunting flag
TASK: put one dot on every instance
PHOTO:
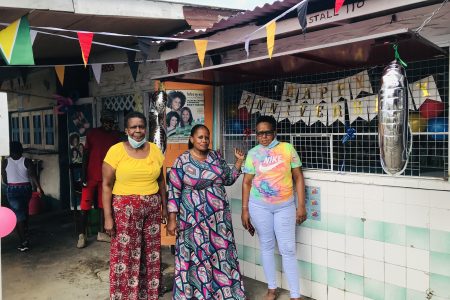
(60, 70)
(172, 65)
(144, 46)
(200, 46)
(301, 15)
(271, 28)
(337, 6)
(247, 47)
(97, 70)
(15, 43)
(134, 66)
(33, 35)
(85, 39)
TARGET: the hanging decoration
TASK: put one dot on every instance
(157, 117)
(337, 6)
(33, 34)
(422, 90)
(393, 133)
(336, 111)
(301, 16)
(62, 104)
(272, 108)
(60, 71)
(319, 112)
(200, 46)
(145, 46)
(259, 104)
(15, 43)
(290, 91)
(247, 99)
(360, 82)
(85, 40)
(339, 89)
(172, 65)
(134, 66)
(97, 70)
(271, 29)
(372, 107)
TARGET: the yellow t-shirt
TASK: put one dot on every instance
(135, 176)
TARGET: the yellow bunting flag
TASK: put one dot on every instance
(200, 46)
(271, 28)
(60, 73)
(15, 43)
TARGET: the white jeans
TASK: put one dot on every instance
(270, 222)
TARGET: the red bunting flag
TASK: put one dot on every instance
(85, 39)
(337, 6)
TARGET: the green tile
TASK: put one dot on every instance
(307, 223)
(258, 257)
(336, 223)
(395, 234)
(440, 263)
(415, 295)
(236, 206)
(440, 241)
(240, 249)
(374, 230)
(249, 254)
(304, 269)
(278, 263)
(418, 237)
(393, 292)
(336, 278)
(319, 273)
(354, 226)
(440, 285)
(373, 289)
(354, 283)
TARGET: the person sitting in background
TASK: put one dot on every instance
(16, 173)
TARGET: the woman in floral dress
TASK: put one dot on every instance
(206, 262)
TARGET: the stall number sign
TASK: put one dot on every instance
(4, 125)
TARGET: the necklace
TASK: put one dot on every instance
(198, 156)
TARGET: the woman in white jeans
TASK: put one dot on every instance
(272, 169)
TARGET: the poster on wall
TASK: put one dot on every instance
(312, 199)
(185, 108)
(79, 121)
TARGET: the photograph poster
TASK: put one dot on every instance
(185, 108)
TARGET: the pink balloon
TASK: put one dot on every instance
(7, 221)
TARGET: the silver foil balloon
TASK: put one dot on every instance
(157, 116)
(393, 130)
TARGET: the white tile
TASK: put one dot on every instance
(418, 216)
(278, 275)
(239, 236)
(418, 197)
(336, 260)
(249, 270)
(319, 238)
(354, 245)
(336, 205)
(304, 252)
(336, 189)
(373, 192)
(373, 210)
(303, 235)
(440, 218)
(335, 294)
(374, 250)
(354, 264)
(351, 296)
(353, 190)
(354, 207)
(319, 256)
(374, 269)
(395, 213)
(440, 199)
(284, 282)
(395, 254)
(305, 287)
(395, 275)
(418, 259)
(417, 280)
(236, 219)
(259, 274)
(249, 240)
(319, 291)
(336, 241)
(394, 195)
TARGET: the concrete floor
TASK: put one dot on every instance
(55, 269)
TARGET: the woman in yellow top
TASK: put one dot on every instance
(133, 191)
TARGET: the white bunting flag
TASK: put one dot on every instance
(306, 92)
(33, 35)
(339, 89)
(360, 82)
(336, 111)
(290, 91)
(423, 89)
(97, 70)
(246, 100)
(319, 112)
(259, 104)
(295, 112)
(358, 108)
(372, 108)
(272, 108)
(322, 92)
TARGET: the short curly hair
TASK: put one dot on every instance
(267, 119)
(176, 94)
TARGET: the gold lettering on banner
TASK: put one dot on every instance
(424, 87)
(376, 103)
(260, 104)
(323, 91)
(306, 93)
(357, 107)
(302, 110)
(289, 110)
(319, 112)
(341, 88)
(290, 91)
(359, 82)
(337, 111)
(273, 107)
(247, 101)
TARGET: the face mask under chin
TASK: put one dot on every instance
(135, 144)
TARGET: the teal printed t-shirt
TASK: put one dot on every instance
(272, 167)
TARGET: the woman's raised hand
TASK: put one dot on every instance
(238, 154)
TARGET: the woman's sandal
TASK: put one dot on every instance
(271, 295)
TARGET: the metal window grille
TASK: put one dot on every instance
(320, 144)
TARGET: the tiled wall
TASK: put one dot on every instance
(373, 242)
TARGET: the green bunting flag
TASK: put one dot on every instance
(15, 43)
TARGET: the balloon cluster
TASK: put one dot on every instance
(429, 119)
(237, 119)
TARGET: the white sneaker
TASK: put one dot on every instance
(81, 241)
(103, 237)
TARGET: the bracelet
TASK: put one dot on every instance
(244, 206)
